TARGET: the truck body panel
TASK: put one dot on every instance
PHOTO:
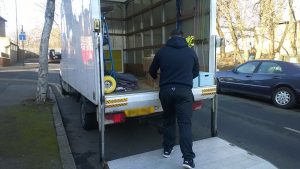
(138, 29)
(79, 55)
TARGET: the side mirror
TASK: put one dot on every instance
(234, 70)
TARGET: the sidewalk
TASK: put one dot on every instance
(31, 136)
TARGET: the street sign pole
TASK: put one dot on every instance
(23, 40)
(22, 37)
(17, 32)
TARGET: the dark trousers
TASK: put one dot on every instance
(177, 103)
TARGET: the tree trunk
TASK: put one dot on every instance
(221, 34)
(292, 28)
(270, 25)
(256, 40)
(293, 38)
(42, 84)
(233, 36)
(298, 35)
(282, 39)
(271, 43)
(260, 44)
(235, 43)
(240, 28)
(260, 41)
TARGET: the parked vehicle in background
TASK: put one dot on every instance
(276, 80)
(54, 57)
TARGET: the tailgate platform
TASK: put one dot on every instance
(211, 153)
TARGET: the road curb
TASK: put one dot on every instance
(62, 139)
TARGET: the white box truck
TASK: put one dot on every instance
(134, 31)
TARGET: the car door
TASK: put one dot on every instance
(265, 77)
(238, 80)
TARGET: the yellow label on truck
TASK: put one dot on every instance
(139, 111)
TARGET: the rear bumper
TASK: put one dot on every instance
(148, 100)
(119, 107)
(120, 117)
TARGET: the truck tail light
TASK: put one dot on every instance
(197, 105)
(114, 118)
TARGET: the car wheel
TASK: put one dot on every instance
(284, 97)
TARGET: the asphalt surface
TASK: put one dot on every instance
(122, 140)
(262, 129)
(255, 125)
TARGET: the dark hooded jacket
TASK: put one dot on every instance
(177, 62)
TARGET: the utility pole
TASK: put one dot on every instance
(22, 34)
(17, 31)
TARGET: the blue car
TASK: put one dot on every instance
(276, 80)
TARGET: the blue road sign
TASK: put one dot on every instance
(22, 36)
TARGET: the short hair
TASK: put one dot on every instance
(176, 32)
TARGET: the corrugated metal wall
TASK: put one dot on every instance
(146, 32)
(202, 32)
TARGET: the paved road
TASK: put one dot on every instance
(264, 130)
(28, 73)
(257, 126)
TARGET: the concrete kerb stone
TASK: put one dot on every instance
(62, 139)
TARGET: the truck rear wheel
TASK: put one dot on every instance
(63, 90)
(88, 116)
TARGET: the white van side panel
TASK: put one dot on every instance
(79, 43)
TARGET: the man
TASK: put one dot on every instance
(178, 66)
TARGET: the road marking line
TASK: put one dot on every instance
(293, 130)
(56, 69)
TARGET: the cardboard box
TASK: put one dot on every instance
(147, 62)
(154, 83)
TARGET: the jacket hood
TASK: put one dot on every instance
(177, 42)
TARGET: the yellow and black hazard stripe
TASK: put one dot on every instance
(209, 91)
(116, 105)
(116, 102)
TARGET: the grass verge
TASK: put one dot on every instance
(28, 137)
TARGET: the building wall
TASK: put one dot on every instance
(2, 28)
(4, 45)
(8, 49)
